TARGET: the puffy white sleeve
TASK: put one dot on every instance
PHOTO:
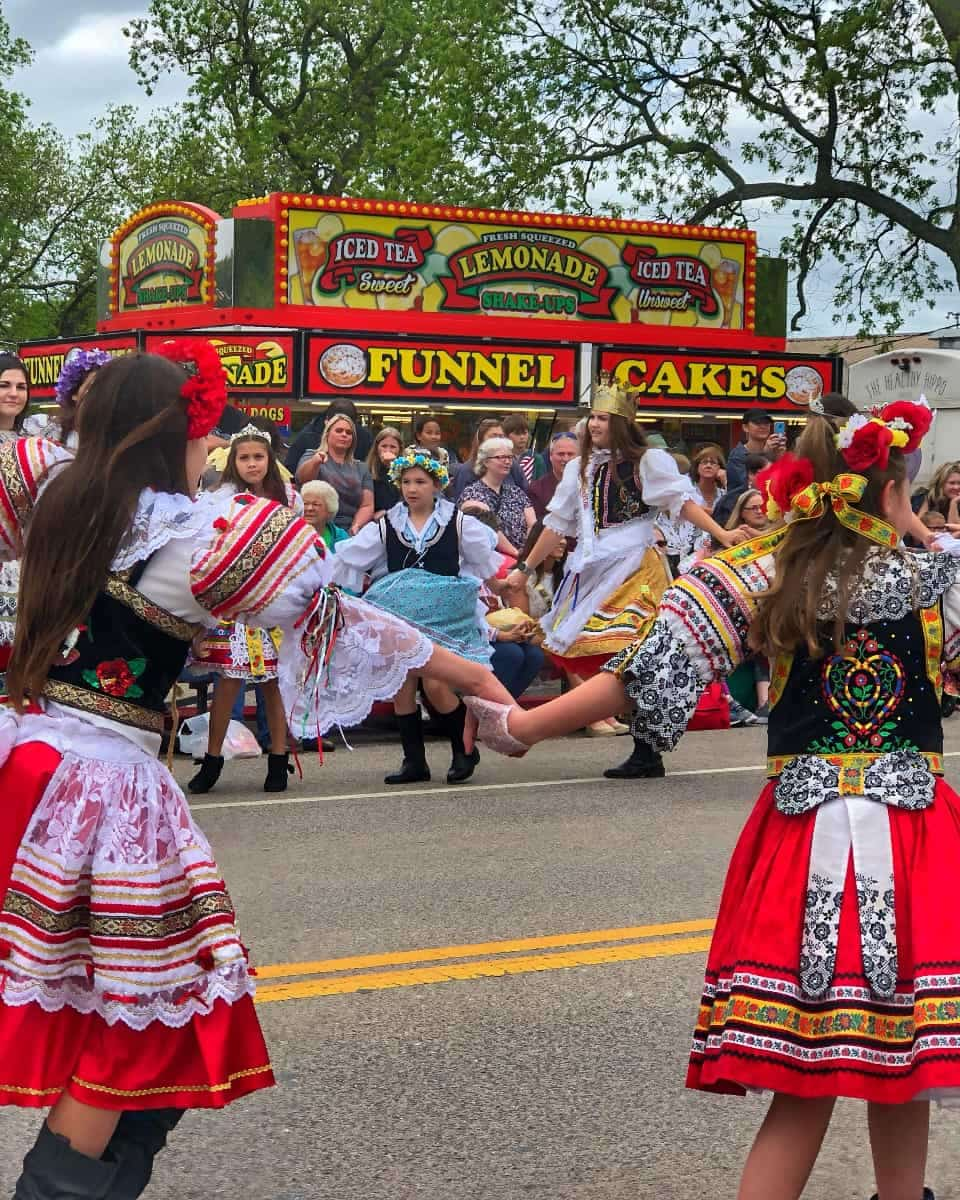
(662, 484)
(478, 554)
(563, 511)
(700, 635)
(363, 554)
(259, 564)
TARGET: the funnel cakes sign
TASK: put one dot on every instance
(442, 371)
(715, 379)
(388, 256)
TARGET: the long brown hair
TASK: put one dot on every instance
(814, 549)
(627, 443)
(132, 428)
(374, 465)
(273, 486)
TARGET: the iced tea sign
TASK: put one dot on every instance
(424, 258)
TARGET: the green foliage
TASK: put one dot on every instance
(419, 98)
(841, 115)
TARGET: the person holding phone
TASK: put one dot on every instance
(759, 437)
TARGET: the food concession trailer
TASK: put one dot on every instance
(407, 307)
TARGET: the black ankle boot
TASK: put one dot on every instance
(462, 765)
(643, 763)
(208, 774)
(53, 1170)
(414, 767)
(278, 768)
(927, 1195)
(137, 1140)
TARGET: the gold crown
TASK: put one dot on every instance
(609, 397)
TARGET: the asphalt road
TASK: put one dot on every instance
(518, 967)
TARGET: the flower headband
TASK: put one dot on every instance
(866, 441)
(426, 462)
(252, 433)
(76, 366)
(205, 390)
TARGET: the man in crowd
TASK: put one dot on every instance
(563, 447)
(758, 438)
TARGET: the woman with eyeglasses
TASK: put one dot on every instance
(750, 512)
(493, 488)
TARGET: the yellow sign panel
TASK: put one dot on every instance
(163, 256)
(523, 265)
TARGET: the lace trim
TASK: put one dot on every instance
(892, 584)
(174, 1008)
(161, 517)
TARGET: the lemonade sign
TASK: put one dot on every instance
(523, 264)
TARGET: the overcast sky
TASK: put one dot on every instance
(81, 66)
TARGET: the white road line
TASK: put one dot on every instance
(467, 788)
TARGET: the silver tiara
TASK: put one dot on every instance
(816, 406)
(250, 433)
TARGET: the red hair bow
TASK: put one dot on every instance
(915, 418)
(206, 388)
(783, 480)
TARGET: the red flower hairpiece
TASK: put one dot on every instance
(206, 388)
(783, 480)
(914, 418)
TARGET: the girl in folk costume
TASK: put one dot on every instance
(242, 654)
(835, 962)
(427, 562)
(14, 397)
(125, 994)
(607, 499)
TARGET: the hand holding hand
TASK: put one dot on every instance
(516, 579)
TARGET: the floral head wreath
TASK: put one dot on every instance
(205, 390)
(252, 433)
(76, 367)
(412, 457)
(790, 490)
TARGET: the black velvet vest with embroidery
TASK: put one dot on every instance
(126, 658)
(873, 697)
(441, 556)
(617, 496)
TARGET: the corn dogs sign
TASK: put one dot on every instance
(423, 258)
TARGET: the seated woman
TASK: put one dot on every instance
(320, 506)
(427, 562)
(333, 461)
(493, 488)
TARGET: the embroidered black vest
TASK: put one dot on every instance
(127, 657)
(440, 556)
(616, 495)
(877, 695)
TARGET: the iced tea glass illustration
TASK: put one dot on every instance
(311, 254)
(724, 277)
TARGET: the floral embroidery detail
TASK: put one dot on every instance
(878, 934)
(818, 951)
(118, 677)
(863, 686)
(892, 584)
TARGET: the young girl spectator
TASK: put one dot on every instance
(241, 654)
(428, 435)
(333, 462)
(835, 959)
(387, 445)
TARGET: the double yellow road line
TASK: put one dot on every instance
(476, 960)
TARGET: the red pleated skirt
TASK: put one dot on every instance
(756, 1027)
(215, 1058)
